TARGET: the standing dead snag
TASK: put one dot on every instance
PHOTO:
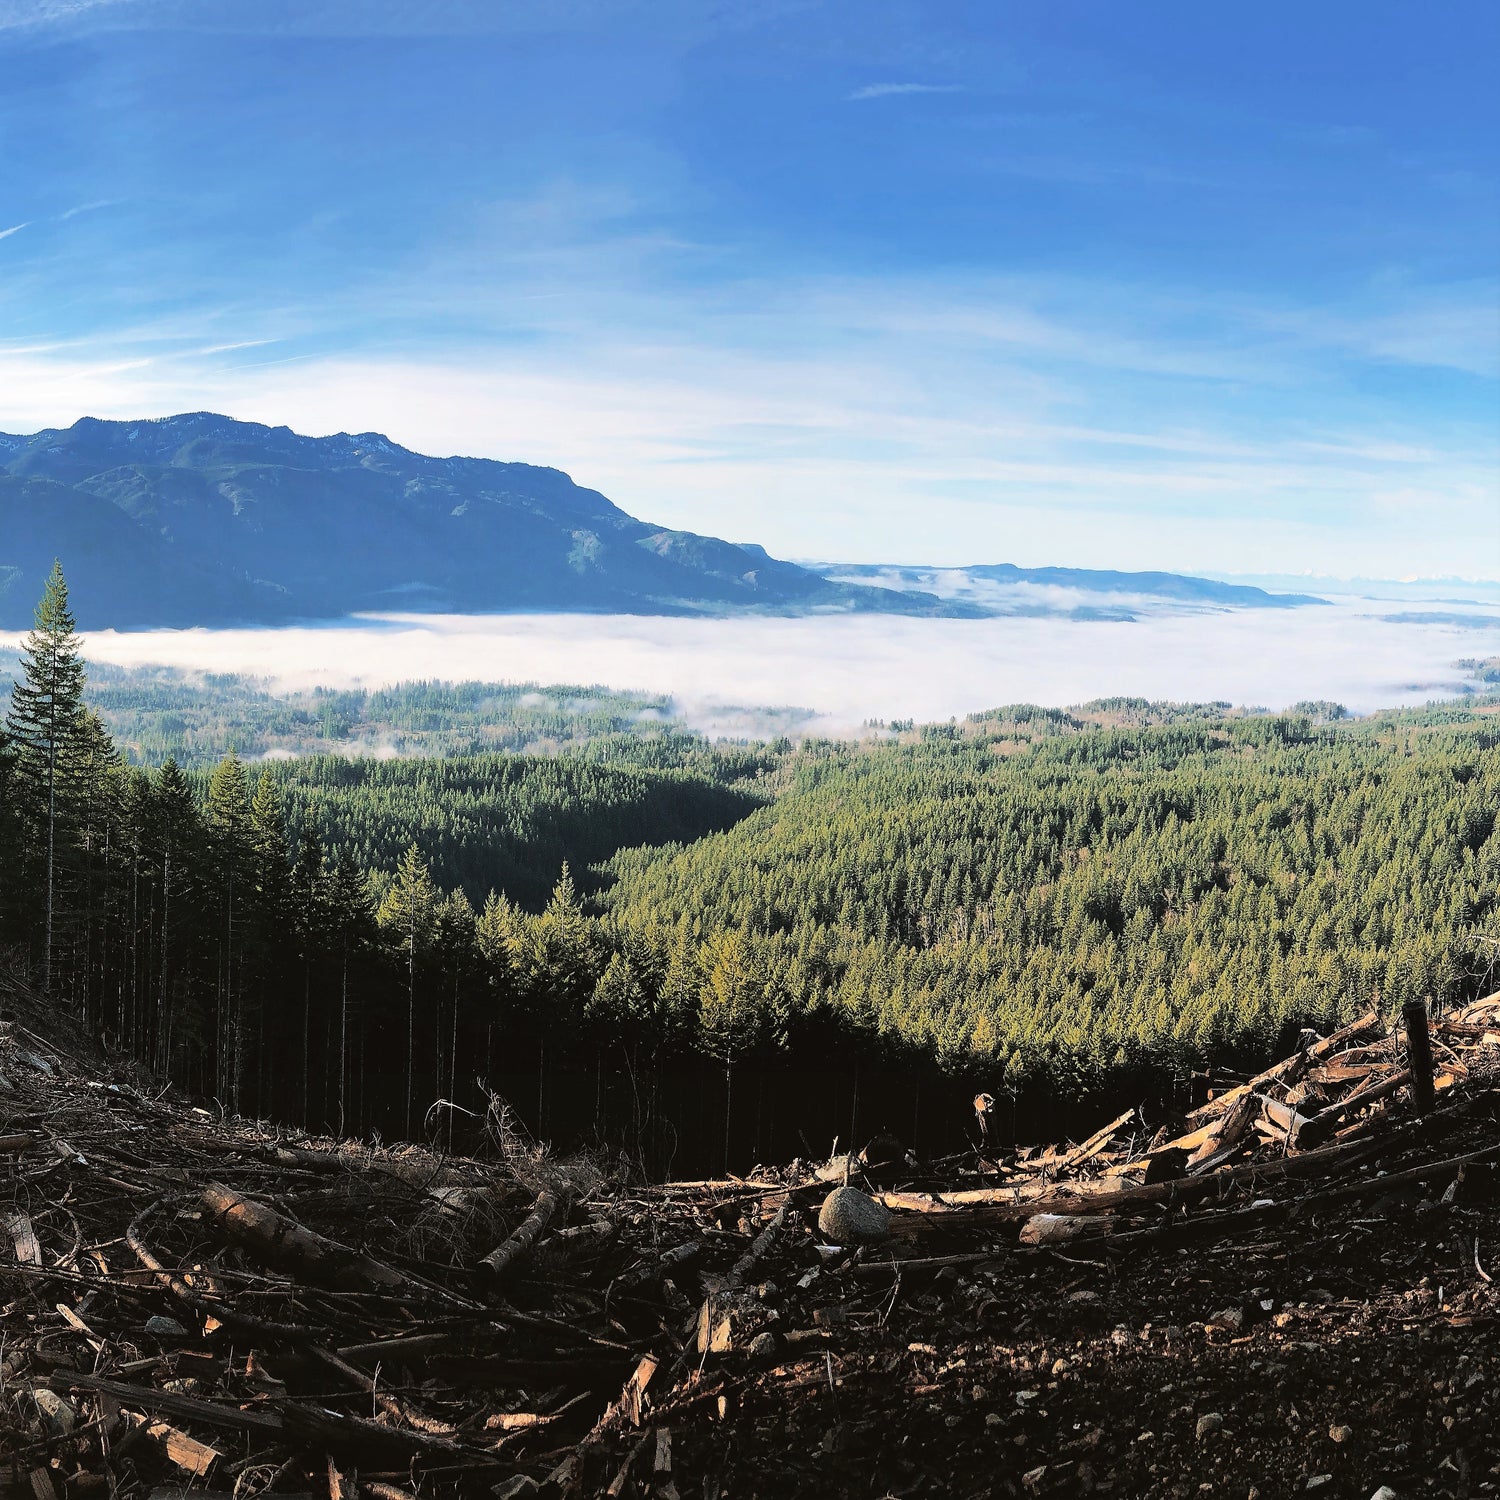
(281, 1241)
(983, 1105)
(1418, 1054)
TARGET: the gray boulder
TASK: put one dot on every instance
(850, 1217)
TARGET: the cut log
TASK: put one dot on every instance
(1090, 1148)
(1286, 1121)
(522, 1240)
(290, 1246)
(1291, 1068)
(23, 1237)
(1322, 1125)
(1225, 1137)
(1061, 1229)
(1086, 1198)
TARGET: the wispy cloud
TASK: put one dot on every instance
(237, 344)
(5, 234)
(86, 208)
(17, 13)
(886, 90)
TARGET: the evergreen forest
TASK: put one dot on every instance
(705, 953)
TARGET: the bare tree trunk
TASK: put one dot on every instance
(306, 1040)
(411, 1018)
(344, 1043)
(51, 849)
(728, 1105)
(453, 1063)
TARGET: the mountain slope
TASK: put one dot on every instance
(200, 519)
(1082, 593)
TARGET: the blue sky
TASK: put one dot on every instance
(1153, 284)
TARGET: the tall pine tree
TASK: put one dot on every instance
(46, 707)
(410, 913)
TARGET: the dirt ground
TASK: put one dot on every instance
(1331, 1356)
(413, 1325)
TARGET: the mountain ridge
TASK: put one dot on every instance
(199, 519)
(219, 521)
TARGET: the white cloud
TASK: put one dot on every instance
(886, 90)
(938, 420)
(5, 234)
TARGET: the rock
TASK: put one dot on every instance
(1209, 1424)
(762, 1346)
(165, 1328)
(1339, 1433)
(1385, 1492)
(850, 1217)
(1317, 1481)
(730, 1320)
(57, 1413)
(832, 1316)
(1230, 1318)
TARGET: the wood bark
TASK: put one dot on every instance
(289, 1245)
(522, 1240)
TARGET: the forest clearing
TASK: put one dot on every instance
(1289, 1290)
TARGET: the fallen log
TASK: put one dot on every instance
(1322, 1125)
(1062, 1229)
(1089, 1148)
(1225, 1138)
(294, 1248)
(517, 1245)
(1079, 1199)
(1290, 1068)
(169, 1403)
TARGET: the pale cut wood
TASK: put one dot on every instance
(1062, 1229)
(23, 1236)
(186, 1452)
(1225, 1135)
(1289, 1068)
(1086, 1197)
(1091, 1147)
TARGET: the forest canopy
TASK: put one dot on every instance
(1062, 904)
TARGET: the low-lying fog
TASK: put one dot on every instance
(849, 669)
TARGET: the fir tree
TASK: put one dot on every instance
(410, 911)
(46, 705)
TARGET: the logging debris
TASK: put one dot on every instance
(193, 1304)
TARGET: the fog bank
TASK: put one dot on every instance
(848, 669)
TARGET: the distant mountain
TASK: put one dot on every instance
(1077, 593)
(202, 520)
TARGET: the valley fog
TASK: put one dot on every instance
(842, 671)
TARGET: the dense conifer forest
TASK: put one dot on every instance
(692, 951)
